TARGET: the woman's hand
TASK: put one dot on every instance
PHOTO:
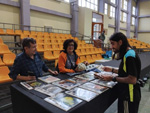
(86, 63)
(78, 70)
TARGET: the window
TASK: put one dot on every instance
(66, 0)
(124, 17)
(125, 5)
(94, 19)
(133, 10)
(133, 20)
(92, 4)
(113, 1)
(112, 11)
(120, 15)
(106, 9)
(121, 3)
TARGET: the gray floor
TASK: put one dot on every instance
(144, 104)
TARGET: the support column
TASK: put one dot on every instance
(117, 15)
(129, 16)
(25, 14)
(74, 20)
(137, 19)
(101, 5)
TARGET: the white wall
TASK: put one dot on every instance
(85, 21)
(62, 7)
(43, 19)
(9, 14)
(144, 23)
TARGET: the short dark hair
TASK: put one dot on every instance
(66, 43)
(125, 44)
(26, 42)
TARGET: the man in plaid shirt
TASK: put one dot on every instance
(28, 65)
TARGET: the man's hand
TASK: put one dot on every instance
(54, 72)
(107, 77)
(26, 78)
(104, 77)
(31, 78)
(108, 69)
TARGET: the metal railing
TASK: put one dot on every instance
(45, 29)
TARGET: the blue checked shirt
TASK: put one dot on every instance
(23, 64)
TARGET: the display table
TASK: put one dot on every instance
(30, 101)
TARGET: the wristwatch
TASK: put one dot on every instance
(112, 70)
(114, 79)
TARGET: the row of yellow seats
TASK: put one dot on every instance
(22, 36)
(45, 47)
(41, 47)
(90, 58)
(46, 40)
(26, 32)
(51, 55)
(88, 51)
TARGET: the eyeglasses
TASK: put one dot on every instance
(71, 45)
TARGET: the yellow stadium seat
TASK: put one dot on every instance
(32, 36)
(60, 41)
(55, 47)
(40, 41)
(78, 51)
(8, 59)
(33, 33)
(22, 36)
(82, 58)
(75, 38)
(10, 32)
(4, 77)
(83, 52)
(89, 59)
(26, 32)
(88, 51)
(46, 34)
(97, 50)
(40, 34)
(1, 41)
(40, 47)
(48, 55)
(60, 46)
(91, 46)
(56, 53)
(47, 37)
(47, 47)
(58, 37)
(54, 41)
(47, 41)
(18, 32)
(93, 50)
(4, 49)
(94, 57)
(99, 56)
(2, 32)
